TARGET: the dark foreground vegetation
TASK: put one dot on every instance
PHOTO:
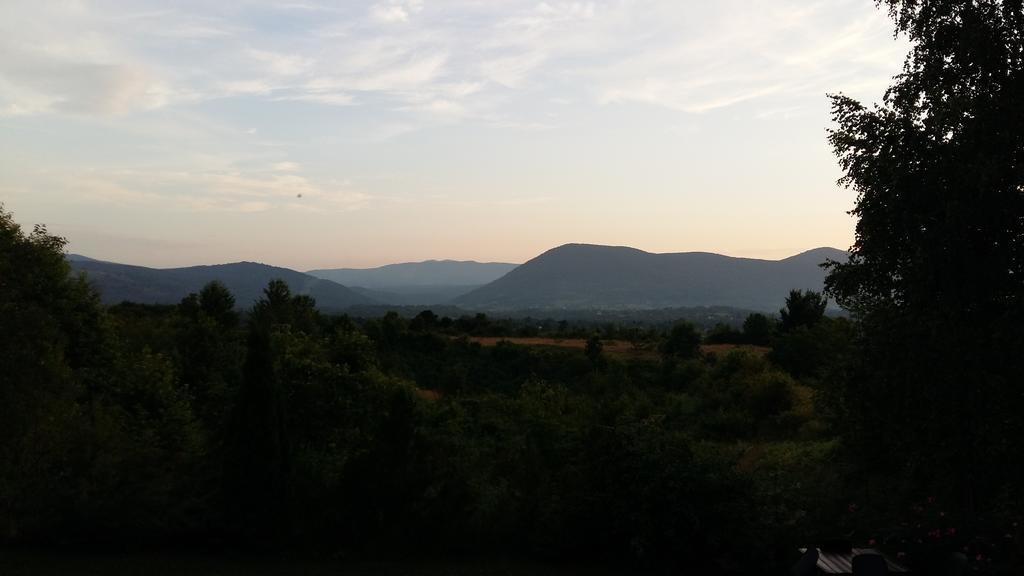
(280, 431)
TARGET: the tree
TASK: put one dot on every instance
(595, 351)
(757, 329)
(275, 307)
(424, 321)
(258, 457)
(280, 307)
(802, 309)
(936, 273)
(50, 323)
(93, 434)
(812, 353)
(218, 303)
(209, 355)
(723, 333)
(683, 341)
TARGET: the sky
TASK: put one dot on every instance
(355, 134)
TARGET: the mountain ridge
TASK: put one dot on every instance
(424, 273)
(429, 282)
(574, 276)
(246, 280)
(579, 276)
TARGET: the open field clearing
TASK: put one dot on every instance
(616, 348)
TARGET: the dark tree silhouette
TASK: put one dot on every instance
(936, 273)
(683, 341)
(257, 474)
(276, 305)
(594, 351)
(802, 309)
(218, 303)
(757, 329)
(424, 321)
(50, 327)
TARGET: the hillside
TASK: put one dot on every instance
(580, 276)
(427, 273)
(246, 280)
(417, 283)
(415, 295)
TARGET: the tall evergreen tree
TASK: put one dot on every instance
(256, 480)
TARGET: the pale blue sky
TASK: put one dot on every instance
(414, 129)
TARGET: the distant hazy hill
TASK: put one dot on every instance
(80, 258)
(246, 280)
(581, 276)
(430, 282)
(415, 295)
(428, 273)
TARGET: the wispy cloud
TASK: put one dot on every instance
(406, 55)
(282, 64)
(286, 166)
(281, 187)
(395, 11)
(325, 97)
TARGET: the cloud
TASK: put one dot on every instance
(282, 188)
(511, 71)
(407, 72)
(327, 98)
(97, 188)
(66, 59)
(498, 202)
(395, 11)
(753, 53)
(32, 83)
(247, 207)
(390, 13)
(389, 131)
(240, 87)
(442, 108)
(193, 32)
(495, 62)
(282, 64)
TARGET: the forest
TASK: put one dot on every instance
(284, 430)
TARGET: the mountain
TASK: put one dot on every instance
(246, 280)
(80, 258)
(428, 273)
(415, 295)
(581, 276)
(412, 283)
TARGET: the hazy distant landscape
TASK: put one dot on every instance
(123, 282)
(574, 277)
(417, 283)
